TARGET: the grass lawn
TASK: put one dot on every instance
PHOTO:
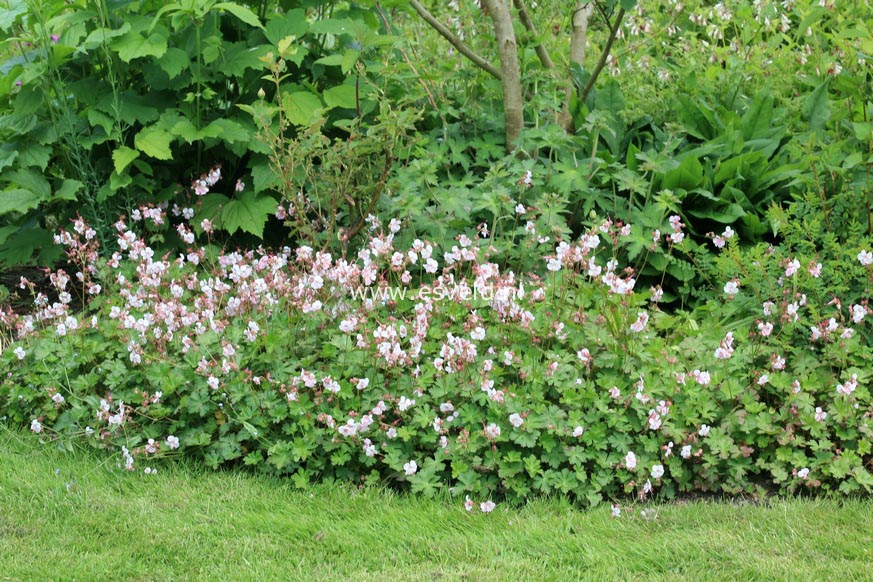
(72, 517)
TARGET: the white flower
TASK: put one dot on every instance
(492, 431)
(487, 506)
(685, 453)
(657, 471)
(732, 288)
(468, 503)
(577, 432)
(616, 511)
(820, 415)
(19, 351)
(36, 426)
(57, 398)
(478, 334)
(865, 258)
(405, 403)
(803, 473)
(704, 430)
(410, 468)
(630, 461)
(173, 442)
(516, 420)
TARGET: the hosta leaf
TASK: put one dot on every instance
(248, 213)
(817, 107)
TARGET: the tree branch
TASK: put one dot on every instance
(454, 40)
(603, 56)
(542, 53)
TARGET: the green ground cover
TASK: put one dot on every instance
(185, 523)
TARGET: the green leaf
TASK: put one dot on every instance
(174, 61)
(7, 155)
(343, 96)
(68, 191)
(134, 45)
(248, 213)
(33, 155)
(610, 98)
(293, 23)
(688, 175)
(758, 117)
(210, 208)
(241, 12)
(30, 180)
(239, 56)
(333, 26)
(155, 142)
(228, 130)
(727, 214)
(817, 107)
(302, 107)
(10, 13)
(18, 200)
(122, 157)
(264, 177)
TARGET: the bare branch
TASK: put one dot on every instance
(603, 56)
(542, 53)
(454, 40)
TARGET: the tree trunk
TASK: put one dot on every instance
(578, 39)
(510, 72)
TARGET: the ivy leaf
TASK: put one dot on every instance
(122, 157)
(134, 45)
(155, 142)
(248, 213)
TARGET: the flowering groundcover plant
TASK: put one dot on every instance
(434, 368)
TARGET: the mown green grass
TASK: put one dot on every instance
(75, 517)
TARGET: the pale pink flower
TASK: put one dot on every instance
(487, 506)
(630, 461)
(657, 471)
